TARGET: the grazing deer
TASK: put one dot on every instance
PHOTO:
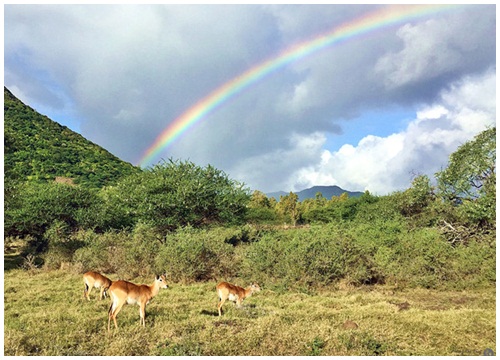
(234, 293)
(122, 292)
(91, 280)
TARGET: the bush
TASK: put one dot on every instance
(95, 255)
(368, 253)
(261, 216)
(61, 246)
(107, 213)
(356, 252)
(473, 265)
(39, 205)
(318, 256)
(127, 254)
(198, 255)
(177, 194)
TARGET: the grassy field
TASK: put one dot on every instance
(45, 314)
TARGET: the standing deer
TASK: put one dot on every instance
(122, 292)
(91, 279)
(234, 293)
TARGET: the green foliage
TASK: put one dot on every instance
(319, 256)
(39, 149)
(341, 208)
(176, 194)
(61, 245)
(187, 260)
(259, 200)
(128, 254)
(288, 208)
(36, 206)
(470, 178)
(261, 209)
(417, 198)
(199, 255)
(381, 251)
(261, 215)
(107, 213)
(95, 255)
(357, 252)
(315, 347)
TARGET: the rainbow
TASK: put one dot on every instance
(378, 19)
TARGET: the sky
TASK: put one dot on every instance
(367, 112)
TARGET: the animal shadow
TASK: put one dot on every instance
(209, 313)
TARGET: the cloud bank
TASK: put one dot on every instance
(122, 73)
(384, 164)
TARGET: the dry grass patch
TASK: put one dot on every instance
(46, 314)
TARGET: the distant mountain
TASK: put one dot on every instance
(39, 149)
(326, 191)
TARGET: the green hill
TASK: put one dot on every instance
(39, 149)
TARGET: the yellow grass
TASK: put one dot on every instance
(46, 314)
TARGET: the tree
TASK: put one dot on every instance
(35, 207)
(288, 207)
(261, 209)
(175, 194)
(259, 200)
(417, 198)
(319, 199)
(469, 181)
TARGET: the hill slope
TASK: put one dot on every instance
(37, 148)
(326, 191)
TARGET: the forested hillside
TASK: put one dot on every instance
(37, 148)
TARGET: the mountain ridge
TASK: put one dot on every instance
(310, 193)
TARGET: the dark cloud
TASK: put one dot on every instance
(130, 70)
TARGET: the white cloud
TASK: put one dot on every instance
(385, 164)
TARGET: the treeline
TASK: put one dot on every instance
(198, 224)
(168, 196)
(461, 195)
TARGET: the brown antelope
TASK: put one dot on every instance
(91, 280)
(234, 293)
(122, 292)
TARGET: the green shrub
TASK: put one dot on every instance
(177, 194)
(473, 265)
(301, 258)
(39, 205)
(305, 257)
(61, 246)
(261, 216)
(196, 255)
(95, 255)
